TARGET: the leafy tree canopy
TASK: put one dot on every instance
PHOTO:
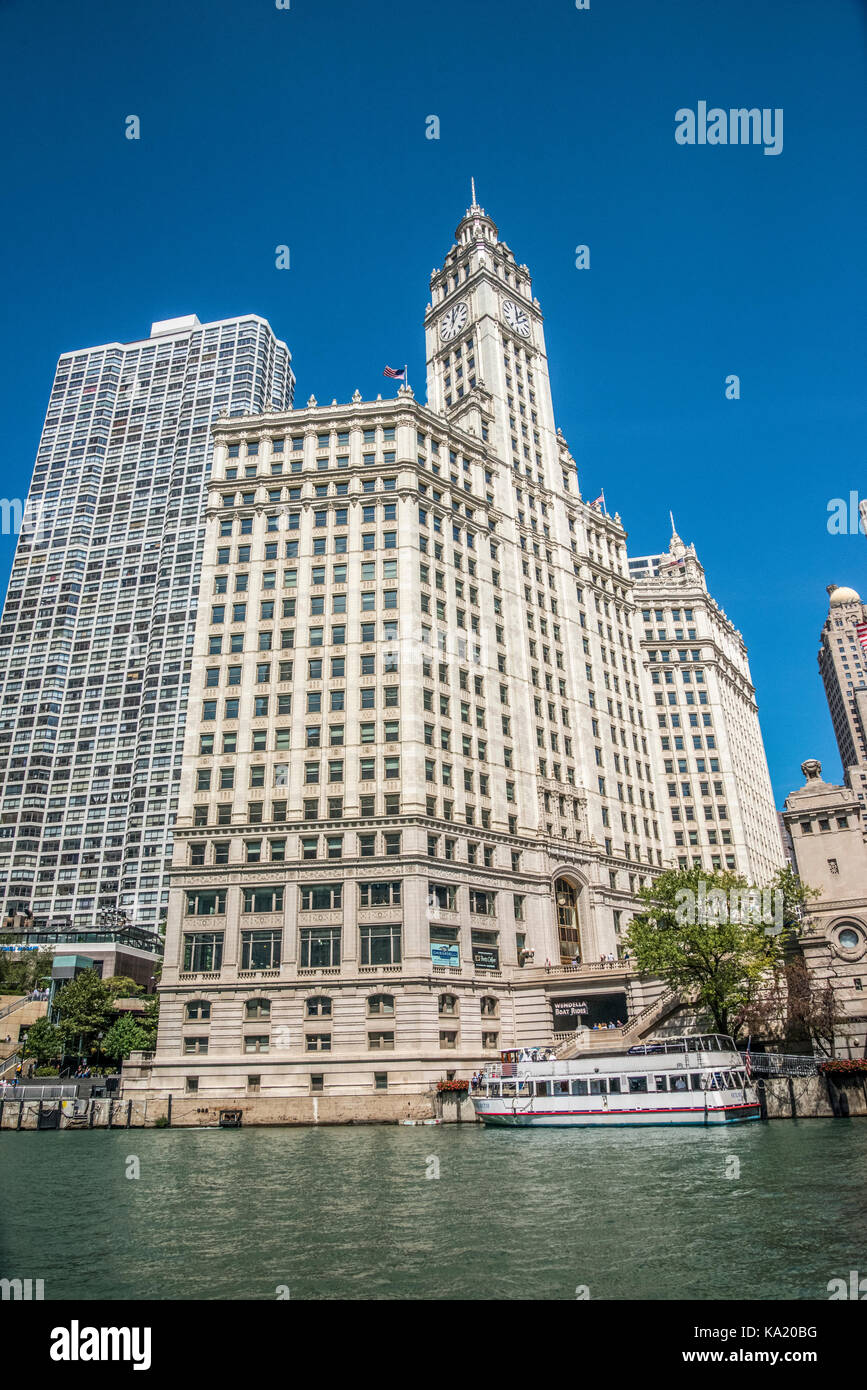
(83, 1007)
(128, 1034)
(43, 1041)
(22, 971)
(699, 943)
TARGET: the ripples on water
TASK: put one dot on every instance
(350, 1213)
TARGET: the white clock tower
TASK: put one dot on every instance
(487, 369)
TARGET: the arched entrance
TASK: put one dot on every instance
(568, 930)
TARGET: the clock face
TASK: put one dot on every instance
(453, 321)
(516, 318)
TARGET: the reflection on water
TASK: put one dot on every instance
(351, 1213)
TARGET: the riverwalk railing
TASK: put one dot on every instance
(781, 1064)
(48, 1091)
(16, 1004)
(8, 1064)
(66, 1112)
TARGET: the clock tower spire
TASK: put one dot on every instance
(487, 368)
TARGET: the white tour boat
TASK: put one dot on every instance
(698, 1080)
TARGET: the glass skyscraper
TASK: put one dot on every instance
(97, 628)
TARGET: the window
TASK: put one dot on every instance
(379, 1005)
(197, 1009)
(321, 897)
(482, 902)
(380, 945)
(379, 894)
(263, 899)
(380, 1042)
(260, 950)
(203, 951)
(443, 895)
(319, 1006)
(206, 904)
(320, 947)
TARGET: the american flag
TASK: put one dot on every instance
(861, 630)
(396, 373)
(600, 502)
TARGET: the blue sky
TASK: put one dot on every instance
(306, 127)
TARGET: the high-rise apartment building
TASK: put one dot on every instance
(714, 786)
(419, 790)
(843, 668)
(97, 627)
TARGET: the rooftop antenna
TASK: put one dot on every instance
(473, 186)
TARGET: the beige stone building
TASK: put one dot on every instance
(825, 825)
(715, 788)
(420, 788)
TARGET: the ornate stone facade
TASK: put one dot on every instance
(421, 783)
(825, 825)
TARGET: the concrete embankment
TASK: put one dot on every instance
(192, 1111)
(814, 1097)
(797, 1097)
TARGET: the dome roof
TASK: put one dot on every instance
(844, 595)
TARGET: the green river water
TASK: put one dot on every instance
(763, 1211)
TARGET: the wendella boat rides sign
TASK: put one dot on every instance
(566, 1008)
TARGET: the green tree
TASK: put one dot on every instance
(83, 1009)
(797, 897)
(718, 962)
(126, 1035)
(21, 971)
(149, 1020)
(43, 1042)
(122, 987)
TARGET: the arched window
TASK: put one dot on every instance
(567, 922)
(489, 1006)
(198, 1010)
(448, 1005)
(379, 1004)
(318, 1007)
(257, 1008)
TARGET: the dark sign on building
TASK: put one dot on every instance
(565, 1007)
(486, 957)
